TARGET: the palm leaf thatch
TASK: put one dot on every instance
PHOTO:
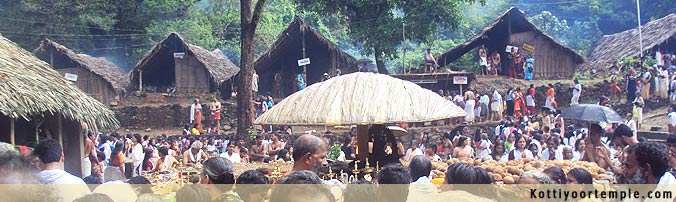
(30, 88)
(218, 66)
(495, 29)
(612, 48)
(291, 37)
(360, 99)
(105, 69)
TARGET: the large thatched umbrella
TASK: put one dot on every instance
(360, 99)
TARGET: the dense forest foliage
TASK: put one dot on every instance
(123, 30)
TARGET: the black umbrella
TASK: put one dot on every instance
(549, 109)
(593, 113)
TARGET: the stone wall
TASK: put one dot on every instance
(169, 116)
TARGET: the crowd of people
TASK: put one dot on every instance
(632, 161)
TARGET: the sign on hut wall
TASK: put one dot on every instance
(71, 77)
(460, 80)
(528, 47)
(304, 61)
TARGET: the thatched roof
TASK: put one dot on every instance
(612, 48)
(29, 87)
(511, 15)
(219, 67)
(358, 99)
(110, 72)
(295, 31)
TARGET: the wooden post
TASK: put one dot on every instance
(363, 141)
(11, 131)
(59, 128)
(140, 81)
(302, 30)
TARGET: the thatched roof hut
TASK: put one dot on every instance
(283, 55)
(97, 77)
(612, 48)
(36, 101)
(174, 62)
(552, 59)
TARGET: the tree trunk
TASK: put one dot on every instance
(245, 113)
(244, 88)
(379, 62)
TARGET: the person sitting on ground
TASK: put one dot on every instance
(231, 155)
(393, 174)
(195, 155)
(647, 163)
(463, 149)
(254, 186)
(556, 174)
(219, 174)
(94, 198)
(520, 150)
(534, 177)
(310, 153)
(552, 152)
(307, 187)
(192, 192)
(499, 154)
(579, 176)
(420, 168)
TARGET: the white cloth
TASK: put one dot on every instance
(672, 118)
(577, 89)
(234, 157)
(658, 58)
(485, 149)
(254, 82)
(107, 150)
(75, 188)
(422, 189)
(137, 154)
(496, 105)
(485, 100)
(469, 109)
(192, 111)
(548, 101)
(632, 124)
(574, 100)
(58, 176)
(409, 156)
(558, 154)
(530, 101)
(86, 167)
(517, 154)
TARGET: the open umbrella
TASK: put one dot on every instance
(398, 131)
(360, 99)
(592, 113)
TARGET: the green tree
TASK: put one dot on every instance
(377, 25)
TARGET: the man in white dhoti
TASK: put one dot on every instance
(469, 105)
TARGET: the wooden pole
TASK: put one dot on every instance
(403, 58)
(59, 128)
(11, 131)
(304, 56)
(140, 81)
(363, 141)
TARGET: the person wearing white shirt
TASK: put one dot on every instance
(420, 168)
(484, 147)
(413, 151)
(577, 90)
(50, 155)
(672, 120)
(137, 153)
(231, 155)
(520, 151)
(496, 106)
(631, 123)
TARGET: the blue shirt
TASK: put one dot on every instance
(301, 82)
